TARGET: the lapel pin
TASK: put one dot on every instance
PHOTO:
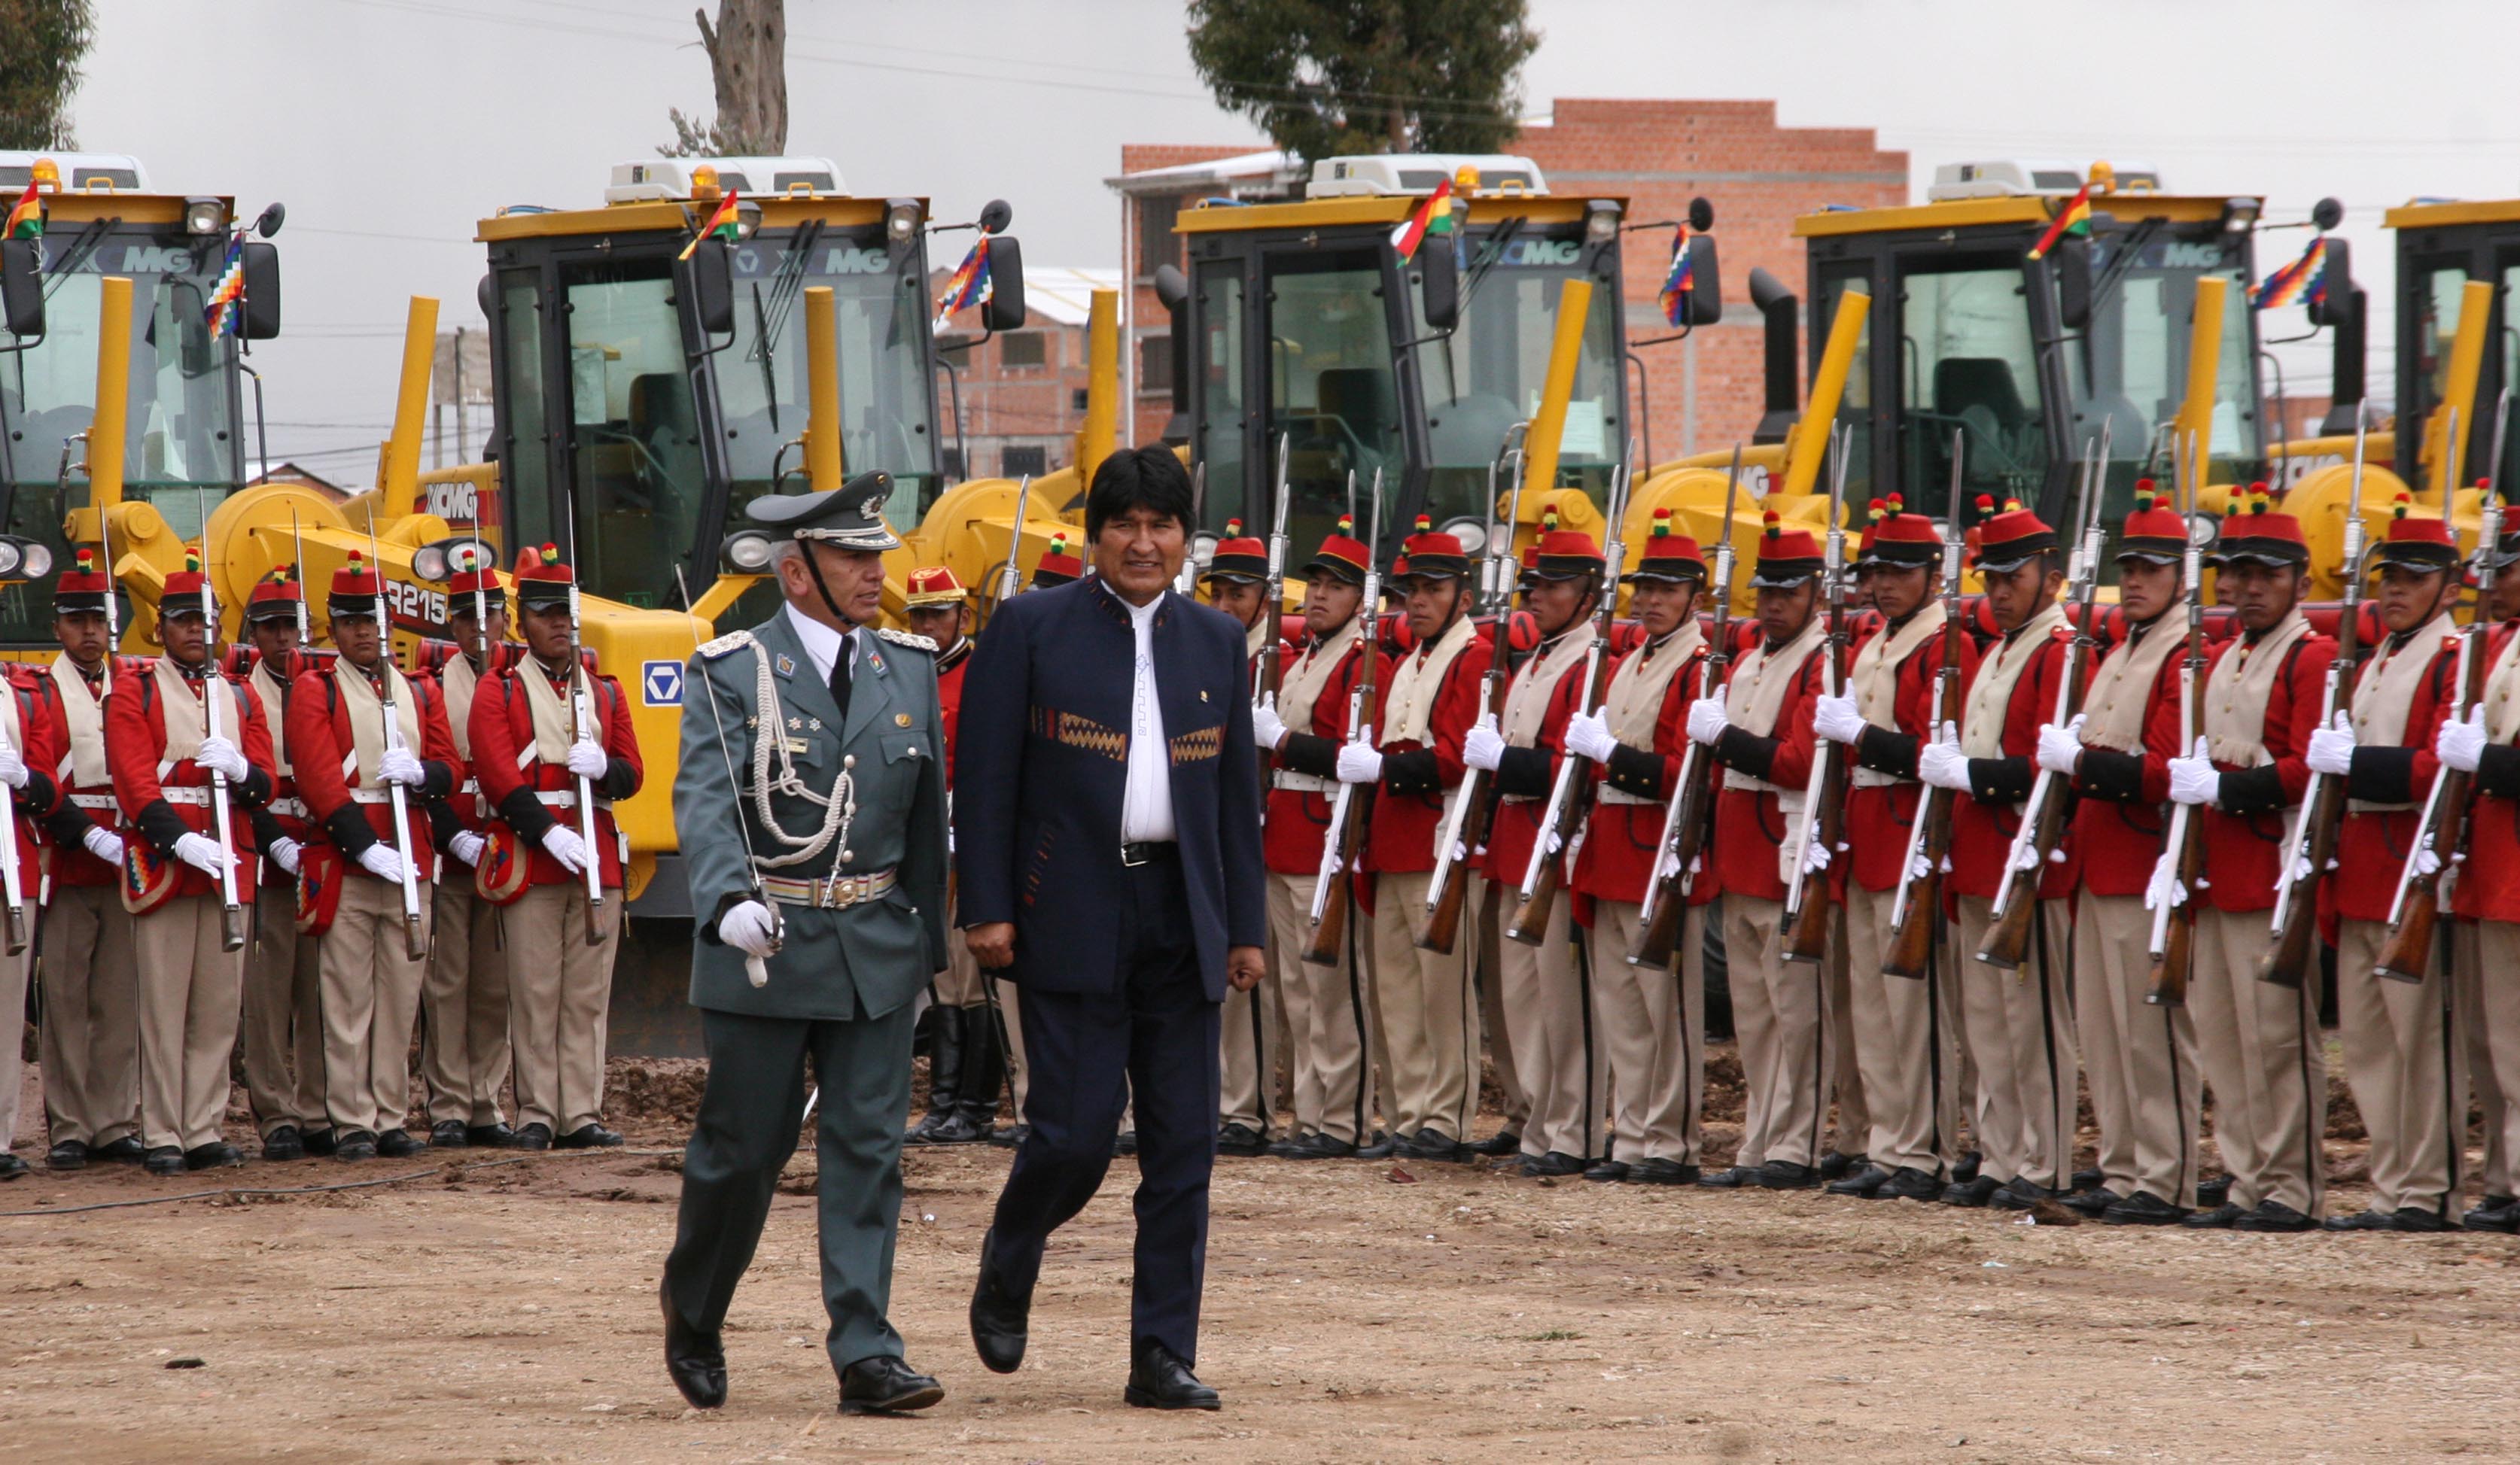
(787, 667)
(814, 724)
(901, 719)
(1202, 693)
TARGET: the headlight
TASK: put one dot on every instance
(445, 558)
(900, 219)
(747, 552)
(205, 216)
(428, 562)
(11, 556)
(747, 218)
(39, 562)
(1600, 221)
(1472, 533)
(2203, 529)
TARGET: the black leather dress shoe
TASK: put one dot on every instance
(1551, 1165)
(2089, 1180)
(885, 1385)
(1011, 1136)
(126, 1150)
(2504, 1218)
(1785, 1174)
(2091, 1202)
(283, 1144)
(2020, 1193)
(449, 1135)
(694, 1361)
(1426, 1144)
(2273, 1215)
(1159, 1380)
(1381, 1146)
(1327, 1147)
(397, 1143)
(164, 1160)
(2417, 1218)
(215, 1155)
(2144, 1209)
(11, 1167)
(1862, 1182)
(1000, 1316)
(355, 1145)
(1965, 1170)
(1835, 1166)
(533, 1136)
(1241, 1139)
(2361, 1221)
(1654, 1169)
(1608, 1170)
(496, 1136)
(320, 1143)
(1290, 1149)
(1735, 1177)
(70, 1154)
(1975, 1191)
(1502, 1143)
(1909, 1184)
(1124, 1145)
(2214, 1194)
(945, 1126)
(587, 1137)
(2222, 1218)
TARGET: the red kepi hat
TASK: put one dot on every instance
(1431, 554)
(1898, 537)
(541, 578)
(1057, 567)
(2009, 539)
(1786, 556)
(83, 585)
(183, 593)
(2253, 532)
(2154, 532)
(277, 596)
(1238, 559)
(2419, 544)
(1667, 557)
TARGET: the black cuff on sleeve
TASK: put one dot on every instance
(68, 825)
(348, 831)
(161, 827)
(2497, 772)
(1635, 771)
(2252, 790)
(255, 788)
(1999, 780)
(443, 823)
(266, 829)
(525, 814)
(1413, 772)
(2381, 775)
(621, 778)
(39, 793)
(1523, 770)
(1886, 752)
(1305, 753)
(2110, 776)
(439, 783)
(1746, 752)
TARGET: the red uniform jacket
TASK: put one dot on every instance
(1417, 777)
(1749, 823)
(2371, 849)
(1529, 774)
(79, 804)
(1622, 839)
(461, 812)
(2120, 818)
(285, 817)
(2486, 890)
(527, 791)
(319, 739)
(2244, 837)
(135, 740)
(1878, 819)
(1984, 823)
(949, 667)
(1299, 819)
(41, 745)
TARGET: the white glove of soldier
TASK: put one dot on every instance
(202, 854)
(104, 844)
(2427, 863)
(221, 756)
(1359, 764)
(2458, 744)
(1707, 720)
(468, 846)
(2061, 749)
(1267, 730)
(564, 845)
(588, 760)
(383, 861)
(2331, 749)
(2164, 887)
(1941, 763)
(1588, 735)
(2193, 780)
(1484, 748)
(13, 768)
(746, 926)
(286, 852)
(1835, 719)
(1815, 857)
(398, 766)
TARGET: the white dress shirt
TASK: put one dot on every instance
(1147, 807)
(822, 644)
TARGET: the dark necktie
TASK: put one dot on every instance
(840, 680)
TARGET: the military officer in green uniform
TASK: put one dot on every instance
(814, 841)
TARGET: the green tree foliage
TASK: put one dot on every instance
(1326, 77)
(41, 45)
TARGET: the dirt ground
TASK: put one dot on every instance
(487, 1309)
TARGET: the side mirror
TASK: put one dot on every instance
(2336, 285)
(21, 288)
(1782, 313)
(268, 222)
(709, 276)
(1172, 292)
(996, 215)
(1439, 275)
(1004, 310)
(1704, 306)
(261, 289)
(2074, 283)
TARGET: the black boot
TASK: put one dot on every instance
(946, 1042)
(984, 1074)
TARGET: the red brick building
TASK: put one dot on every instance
(1655, 154)
(1009, 404)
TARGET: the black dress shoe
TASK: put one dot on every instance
(1862, 1182)
(694, 1361)
(449, 1135)
(496, 1136)
(1965, 1170)
(1976, 1192)
(126, 1150)
(1159, 1380)
(215, 1155)
(283, 1144)
(1608, 1170)
(1835, 1166)
(1000, 1316)
(2212, 1195)
(885, 1385)
(2089, 1180)
(2144, 1209)
(70, 1154)
(945, 1126)
(1292, 1147)
(1426, 1144)
(2020, 1193)
(2417, 1218)
(1124, 1145)
(2504, 1218)
(1381, 1146)
(534, 1137)
(1785, 1174)
(2091, 1202)
(1328, 1147)
(1241, 1139)
(1502, 1143)
(397, 1143)
(2273, 1215)
(319, 1142)
(1909, 1184)
(11, 1167)
(1551, 1165)
(164, 1160)
(355, 1145)
(1011, 1136)
(587, 1137)
(2361, 1221)
(1736, 1177)
(2222, 1218)
(1656, 1171)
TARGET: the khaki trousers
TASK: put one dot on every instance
(961, 984)
(1430, 1022)
(2408, 1070)
(371, 997)
(1854, 1127)
(1487, 959)
(1781, 1018)
(13, 1038)
(1902, 1044)
(1547, 1011)
(2141, 1059)
(1327, 1019)
(91, 1035)
(2260, 1050)
(558, 1004)
(189, 992)
(1247, 1058)
(2022, 1027)
(1653, 1023)
(2493, 1041)
(464, 1009)
(282, 1038)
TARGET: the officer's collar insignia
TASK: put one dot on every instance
(874, 658)
(786, 665)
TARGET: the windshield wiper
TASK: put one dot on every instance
(82, 244)
(769, 318)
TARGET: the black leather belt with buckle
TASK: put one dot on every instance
(1146, 851)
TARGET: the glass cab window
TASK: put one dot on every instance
(1217, 384)
(1331, 392)
(1968, 365)
(634, 448)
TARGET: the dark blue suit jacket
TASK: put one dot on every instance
(1041, 766)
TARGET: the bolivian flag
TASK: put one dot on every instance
(2305, 280)
(26, 219)
(721, 224)
(1434, 216)
(2075, 218)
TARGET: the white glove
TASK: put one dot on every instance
(468, 846)
(398, 766)
(2458, 744)
(2061, 749)
(1707, 720)
(564, 845)
(748, 928)
(2427, 863)
(1835, 719)
(383, 861)
(221, 756)
(202, 854)
(1484, 748)
(1815, 857)
(1588, 735)
(1359, 764)
(2193, 780)
(284, 853)
(1941, 762)
(1267, 730)
(2164, 887)
(104, 844)
(13, 768)
(2331, 749)
(588, 760)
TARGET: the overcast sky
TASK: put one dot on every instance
(391, 126)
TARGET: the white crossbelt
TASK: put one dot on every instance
(831, 893)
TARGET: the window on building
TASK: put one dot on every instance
(1014, 462)
(1077, 399)
(954, 462)
(1154, 366)
(1023, 348)
(1157, 244)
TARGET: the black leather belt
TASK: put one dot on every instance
(1147, 852)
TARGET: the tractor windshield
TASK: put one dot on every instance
(2130, 369)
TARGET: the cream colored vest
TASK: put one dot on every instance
(2386, 693)
(1990, 698)
(2120, 686)
(1409, 706)
(2238, 689)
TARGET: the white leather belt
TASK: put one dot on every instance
(1873, 778)
(290, 807)
(1305, 782)
(199, 796)
(831, 893)
(1519, 798)
(92, 800)
(1608, 795)
(566, 798)
(383, 795)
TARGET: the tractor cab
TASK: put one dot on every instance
(2030, 359)
(73, 221)
(2453, 255)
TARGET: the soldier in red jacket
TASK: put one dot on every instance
(283, 1034)
(91, 1031)
(2140, 1059)
(1654, 1029)
(31, 749)
(166, 763)
(1237, 584)
(1302, 732)
(2406, 1071)
(345, 751)
(1909, 1068)
(531, 753)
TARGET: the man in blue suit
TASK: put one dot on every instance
(1108, 852)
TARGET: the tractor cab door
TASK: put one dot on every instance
(2433, 274)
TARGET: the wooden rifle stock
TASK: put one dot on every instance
(1323, 947)
(1662, 932)
(2287, 959)
(2007, 940)
(1444, 918)
(1808, 941)
(1912, 945)
(2408, 953)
